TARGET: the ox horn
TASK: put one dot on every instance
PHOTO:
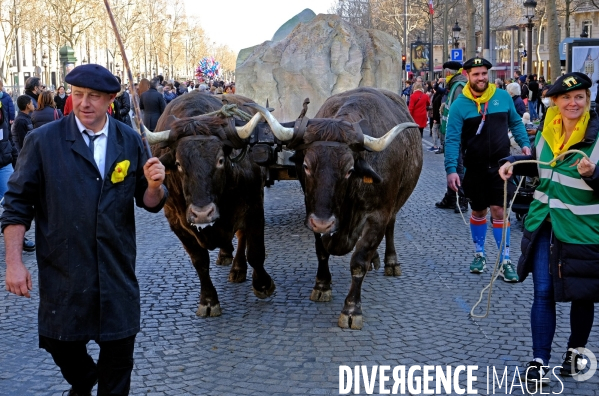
(245, 131)
(379, 144)
(282, 133)
(156, 137)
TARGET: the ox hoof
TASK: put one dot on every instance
(237, 276)
(376, 263)
(350, 321)
(264, 292)
(392, 270)
(205, 311)
(321, 295)
(224, 259)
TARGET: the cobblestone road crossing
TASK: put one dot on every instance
(289, 345)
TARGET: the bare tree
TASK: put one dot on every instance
(73, 18)
(470, 29)
(553, 38)
(14, 17)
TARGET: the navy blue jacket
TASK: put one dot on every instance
(8, 105)
(20, 128)
(84, 229)
(8, 153)
(45, 116)
(519, 105)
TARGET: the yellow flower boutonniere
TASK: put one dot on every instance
(120, 171)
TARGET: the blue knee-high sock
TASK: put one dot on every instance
(497, 230)
(478, 229)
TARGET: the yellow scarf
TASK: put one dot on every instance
(554, 135)
(484, 98)
(448, 79)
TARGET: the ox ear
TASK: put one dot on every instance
(363, 170)
(356, 141)
(364, 126)
(168, 160)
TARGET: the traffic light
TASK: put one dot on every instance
(403, 62)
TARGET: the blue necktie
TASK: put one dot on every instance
(91, 142)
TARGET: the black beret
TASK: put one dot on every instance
(452, 65)
(569, 82)
(477, 62)
(94, 77)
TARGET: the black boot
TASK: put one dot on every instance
(462, 205)
(448, 201)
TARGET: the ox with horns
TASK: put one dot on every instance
(214, 194)
(358, 161)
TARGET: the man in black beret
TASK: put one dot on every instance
(79, 178)
(452, 65)
(477, 126)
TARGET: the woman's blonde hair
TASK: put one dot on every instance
(417, 85)
(45, 99)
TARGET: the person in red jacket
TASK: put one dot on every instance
(419, 102)
(68, 106)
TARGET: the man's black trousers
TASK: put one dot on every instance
(112, 372)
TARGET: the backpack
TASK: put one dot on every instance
(450, 97)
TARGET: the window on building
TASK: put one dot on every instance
(588, 25)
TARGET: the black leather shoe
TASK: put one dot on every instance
(28, 246)
(445, 204)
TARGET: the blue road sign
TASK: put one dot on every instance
(408, 67)
(457, 54)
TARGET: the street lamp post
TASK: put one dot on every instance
(456, 35)
(521, 53)
(45, 65)
(529, 6)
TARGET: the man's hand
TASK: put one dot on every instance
(18, 279)
(585, 167)
(505, 172)
(526, 151)
(154, 173)
(453, 181)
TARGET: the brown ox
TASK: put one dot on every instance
(352, 196)
(214, 194)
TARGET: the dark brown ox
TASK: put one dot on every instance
(352, 196)
(215, 193)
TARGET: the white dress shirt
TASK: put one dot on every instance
(99, 143)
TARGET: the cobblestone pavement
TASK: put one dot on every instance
(287, 344)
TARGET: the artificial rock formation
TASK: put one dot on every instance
(318, 59)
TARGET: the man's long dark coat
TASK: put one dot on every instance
(84, 229)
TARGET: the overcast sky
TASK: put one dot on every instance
(245, 23)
